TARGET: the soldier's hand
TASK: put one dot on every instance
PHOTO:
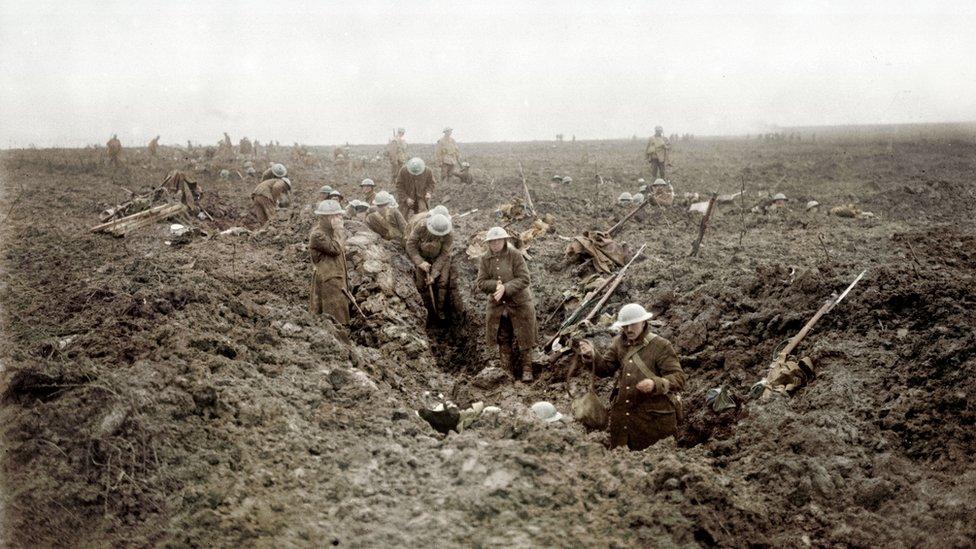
(499, 292)
(409, 202)
(425, 267)
(586, 349)
(645, 385)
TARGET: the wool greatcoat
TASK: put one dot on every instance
(508, 266)
(415, 187)
(639, 419)
(328, 255)
(266, 196)
(388, 223)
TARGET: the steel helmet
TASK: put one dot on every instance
(659, 183)
(439, 209)
(359, 205)
(625, 197)
(416, 166)
(812, 204)
(225, 174)
(329, 207)
(546, 411)
(658, 129)
(367, 183)
(326, 190)
(279, 170)
(496, 233)
(335, 192)
(448, 129)
(401, 130)
(639, 198)
(557, 177)
(642, 188)
(465, 164)
(780, 196)
(383, 198)
(567, 180)
(631, 313)
(439, 225)
(640, 181)
(287, 182)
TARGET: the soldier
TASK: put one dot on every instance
(421, 217)
(414, 186)
(657, 152)
(645, 405)
(396, 152)
(385, 220)
(245, 147)
(324, 193)
(368, 187)
(357, 209)
(429, 248)
(327, 247)
(465, 174)
(269, 193)
(154, 146)
(663, 192)
(336, 195)
(625, 199)
(779, 201)
(510, 316)
(447, 154)
(114, 150)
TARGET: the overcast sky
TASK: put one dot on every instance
(72, 73)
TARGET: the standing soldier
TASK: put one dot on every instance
(327, 246)
(154, 146)
(657, 152)
(245, 146)
(510, 318)
(368, 187)
(447, 154)
(114, 150)
(645, 404)
(268, 193)
(414, 186)
(429, 248)
(396, 152)
(386, 220)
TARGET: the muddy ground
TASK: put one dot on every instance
(175, 391)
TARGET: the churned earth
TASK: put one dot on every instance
(162, 390)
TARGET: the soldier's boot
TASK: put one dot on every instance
(525, 360)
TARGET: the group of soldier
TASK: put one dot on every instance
(644, 408)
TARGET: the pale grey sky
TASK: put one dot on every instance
(74, 72)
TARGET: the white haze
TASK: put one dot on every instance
(72, 73)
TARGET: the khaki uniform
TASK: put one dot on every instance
(265, 197)
(510, 323)
(328, 255)
(658, 148)
(640, 419)
(396, 151)
(114, 151)
(369, 195)
(423, 246)
(154, 147)
(415, 187)
(389, 224)
(448, 156)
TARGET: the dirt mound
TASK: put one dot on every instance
(181, 393)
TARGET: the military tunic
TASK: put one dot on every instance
(328, 254)
(423, 246)
(657, 154)
(388, 223)
(415, 187)
(639, 419)
(509, 267)
(265, 197)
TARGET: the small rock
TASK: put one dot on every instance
(489, 378)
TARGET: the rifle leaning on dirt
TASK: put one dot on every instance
(704, 224)
(349, 296)
(620, 224)
(525, 189)
(606, 289)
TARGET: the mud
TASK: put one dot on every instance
(181, 394)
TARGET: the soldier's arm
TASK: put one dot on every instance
(413, 251)
(446, 249)
(325, 244)
(431, 182)
(520, 273)
(607, 362)
(375, 222)
(484, 283)
(400, 183)
(672, 378)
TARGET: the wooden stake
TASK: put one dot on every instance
(704, 223)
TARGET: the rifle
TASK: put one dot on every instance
(610, 285)
(616, 228)
(525, 188)
(349, 296)
(467, 213)
(704, 224)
